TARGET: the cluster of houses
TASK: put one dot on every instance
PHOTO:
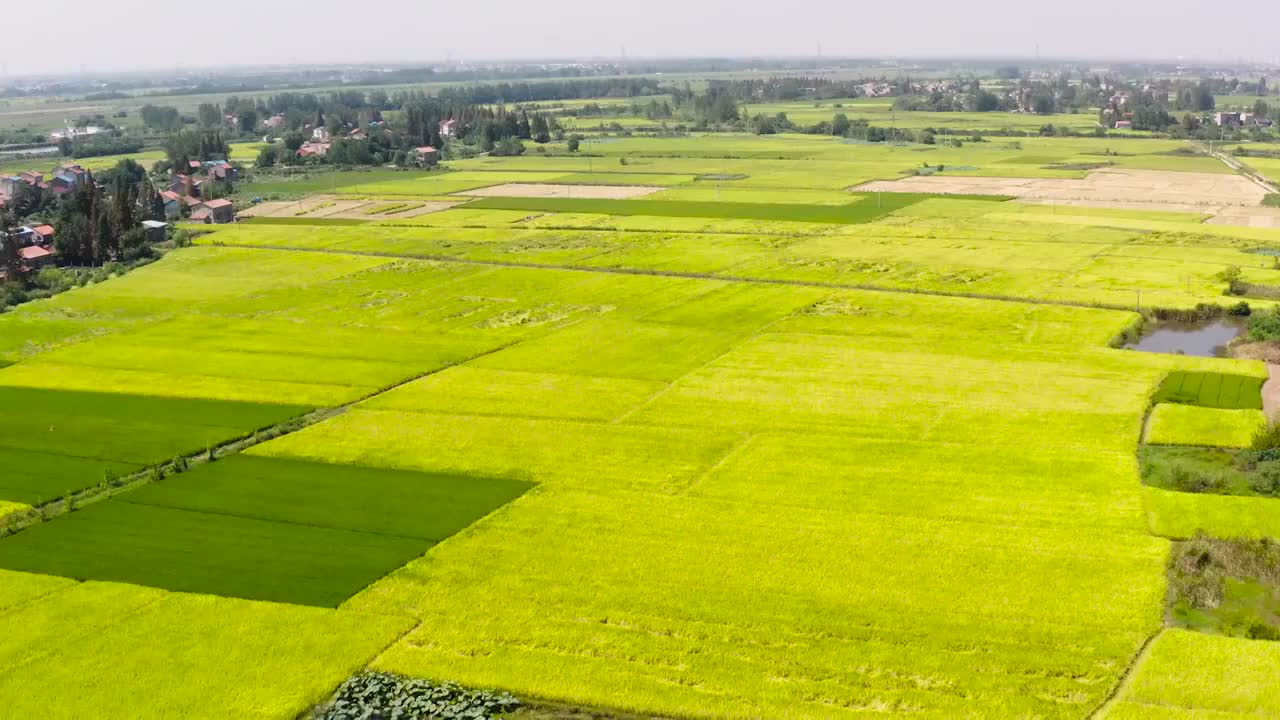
(1239, 119)
(35, 245)
(185, 191)
(65, 179)
(75, 133)
(322, 139)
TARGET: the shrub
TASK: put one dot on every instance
(1240, 309)
(1229, 274)
(1248, 459)
(1265, 325)
(1186, 480)
(373, 695)
(1266, 478)
(1266, 438)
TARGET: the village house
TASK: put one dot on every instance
(35, 245)
(220, 170)
(426, 155)
(67, 178)
(37, 256)
(72, 133)
(274, 122)
(184, 185)
(1124, 125)
(172, 204)
(9, 185)
(313, 149)
(357, 134)
(156, 231)
(320, 135)
(216, 212)
(448, 128)
(1227, 119)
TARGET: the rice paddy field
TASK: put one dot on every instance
(738, 448)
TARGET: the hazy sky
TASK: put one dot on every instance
(239, 32)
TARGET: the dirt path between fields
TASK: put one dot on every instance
(1271, 391)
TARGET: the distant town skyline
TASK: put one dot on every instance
(97, 37)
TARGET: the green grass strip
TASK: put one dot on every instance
(867, 207)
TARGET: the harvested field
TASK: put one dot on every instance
(1255, 217)
(329, 206)
(1106, 187)
(546, 190)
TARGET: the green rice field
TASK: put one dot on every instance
(1173, 424)
(742, 448)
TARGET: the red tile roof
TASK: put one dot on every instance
(170, 195)
(218, 203)
(35, 252)
(44, 230)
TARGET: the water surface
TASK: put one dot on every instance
(1202, 338)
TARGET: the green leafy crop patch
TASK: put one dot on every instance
(1210, 389)
(261, 529)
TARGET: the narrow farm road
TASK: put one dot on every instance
(1241, 168)
(1271, 391)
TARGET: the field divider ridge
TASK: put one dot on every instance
(673, 382)
(1126, 677)
(20, 521)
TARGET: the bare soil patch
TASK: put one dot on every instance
(547, 190)
(329, 206)
(1146, 187)
(1256, 217)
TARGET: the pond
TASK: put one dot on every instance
(1202, 338)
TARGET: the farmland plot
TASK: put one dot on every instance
(261, 529)
(757, 490)
(77, 439)
(745, 433)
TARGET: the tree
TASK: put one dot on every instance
(573, 144)
(1261, 109)
(150, 203)
(986, 102)
(840, 124)
(509, 146)
(247, 119)
(28, 200)
(1042, 105)
(209, 115)
(268, 156)
(540, 130)
(10, 254)
(161, 118)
